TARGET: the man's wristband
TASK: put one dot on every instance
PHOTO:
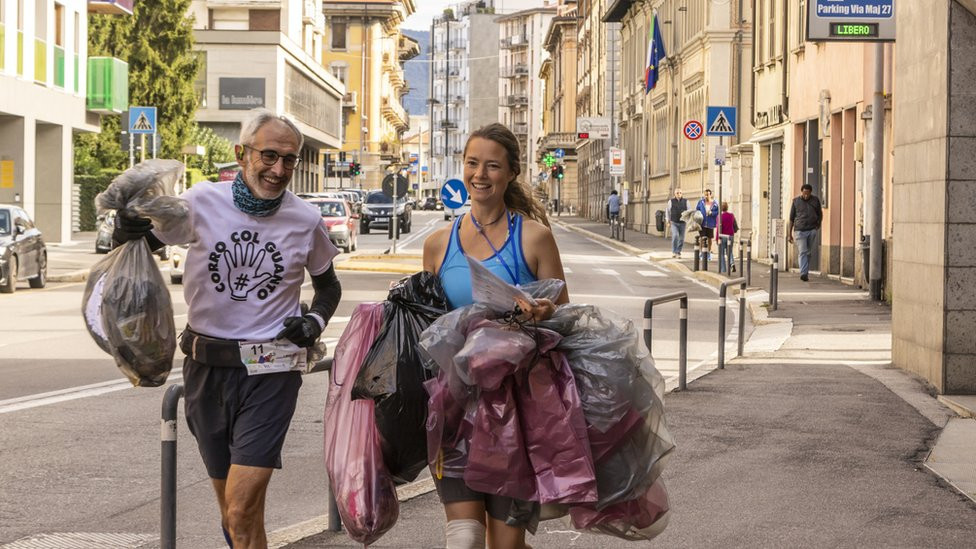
(318, 318)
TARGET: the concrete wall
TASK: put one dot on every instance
(960, 277)
(919, 190)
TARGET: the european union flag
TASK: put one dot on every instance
(655, 54)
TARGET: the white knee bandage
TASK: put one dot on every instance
(465, 534)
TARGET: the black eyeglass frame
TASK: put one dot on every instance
(286, 159)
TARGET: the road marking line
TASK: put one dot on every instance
(652, 274)
(567, 270)
(610, 272)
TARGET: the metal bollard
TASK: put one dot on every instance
(749, 262)
(774, 282)
(697, 253)
(682, 297)
(167, 491)
(742, 257)
(722, 293)
(705, 246)
(623, 230)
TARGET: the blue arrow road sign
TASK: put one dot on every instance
(142, 119)
(720, 121)
(559, 153)
(453, 194)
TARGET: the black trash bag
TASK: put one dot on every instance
(393, 375)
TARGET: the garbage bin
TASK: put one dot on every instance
(659, 218)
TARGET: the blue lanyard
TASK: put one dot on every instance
(498, 254)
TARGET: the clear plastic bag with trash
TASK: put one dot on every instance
(126, 304)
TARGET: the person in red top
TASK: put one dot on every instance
(729, 228)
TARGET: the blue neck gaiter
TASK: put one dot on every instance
(250, 204)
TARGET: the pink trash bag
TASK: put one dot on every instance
(364, 489)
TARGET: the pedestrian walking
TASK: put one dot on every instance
(250, 243)
(613, 206)
(709, 210)
(806, 215)
(508, 232)
(677, 205)
(726, 260)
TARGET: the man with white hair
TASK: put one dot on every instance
(250, 243)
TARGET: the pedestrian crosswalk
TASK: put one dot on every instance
(652, 274)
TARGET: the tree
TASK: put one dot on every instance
(157, 42)
(218, 150)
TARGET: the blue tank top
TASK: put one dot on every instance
(508, 264)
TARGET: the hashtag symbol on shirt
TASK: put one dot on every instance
(241, 282)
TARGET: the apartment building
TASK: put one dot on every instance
(50, 90)
(268, 53)
(559, 80)
(365, 50)
(598, 73)
(708, 47)
(521, 44)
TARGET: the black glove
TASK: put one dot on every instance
(303, 331)
(129, 226)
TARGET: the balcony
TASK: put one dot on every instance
(520, 128)
(458, 100)
(516, 71)
(459, 45)
(558, 140)
(514, 41)
(116, 7)
(515, 100)
(394, 113)
(447, 124)
(108, 85)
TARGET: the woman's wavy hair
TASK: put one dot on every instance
(516, 197)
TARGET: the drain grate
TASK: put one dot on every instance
(82, 540)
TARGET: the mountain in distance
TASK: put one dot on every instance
(417, 74)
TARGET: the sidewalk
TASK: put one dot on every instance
(811, 439)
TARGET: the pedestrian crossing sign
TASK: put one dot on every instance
(720, 121)
(142, 119)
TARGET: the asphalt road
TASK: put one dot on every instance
(80, 450)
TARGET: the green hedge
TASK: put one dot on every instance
(90, 186)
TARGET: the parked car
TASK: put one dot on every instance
(178, 257)
(104, 243)
(23, 254)
(378, 209)
(431, 203)
(449, 212)
(340, 220)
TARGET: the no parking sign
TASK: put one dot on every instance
(693, 130)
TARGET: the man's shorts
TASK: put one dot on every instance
(707, 232)
(237, 418)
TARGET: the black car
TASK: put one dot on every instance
(377, 210)
(103, 240)
(22, 250)
(430, 203)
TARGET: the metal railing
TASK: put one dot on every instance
(774, 282)
(167, 492)
(682, 297)
(168, 440)
(722, 293)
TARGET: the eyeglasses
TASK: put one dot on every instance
(270, 158)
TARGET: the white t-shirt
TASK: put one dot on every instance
(243, 274)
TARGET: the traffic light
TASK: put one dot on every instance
(559, 172)
(554, 172)
(354, 168)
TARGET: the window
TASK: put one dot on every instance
(340, 70)
(660, 138)
(59, 25)
(771, 32)
(801, 28)
(264, 20)
(338, 35)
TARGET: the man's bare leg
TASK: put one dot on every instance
(241, 498)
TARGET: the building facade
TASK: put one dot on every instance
(708, 48)
(49, 90)
(598, 73)
(521, 46)
(365, 50)
(268, 53)
(558, 139)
